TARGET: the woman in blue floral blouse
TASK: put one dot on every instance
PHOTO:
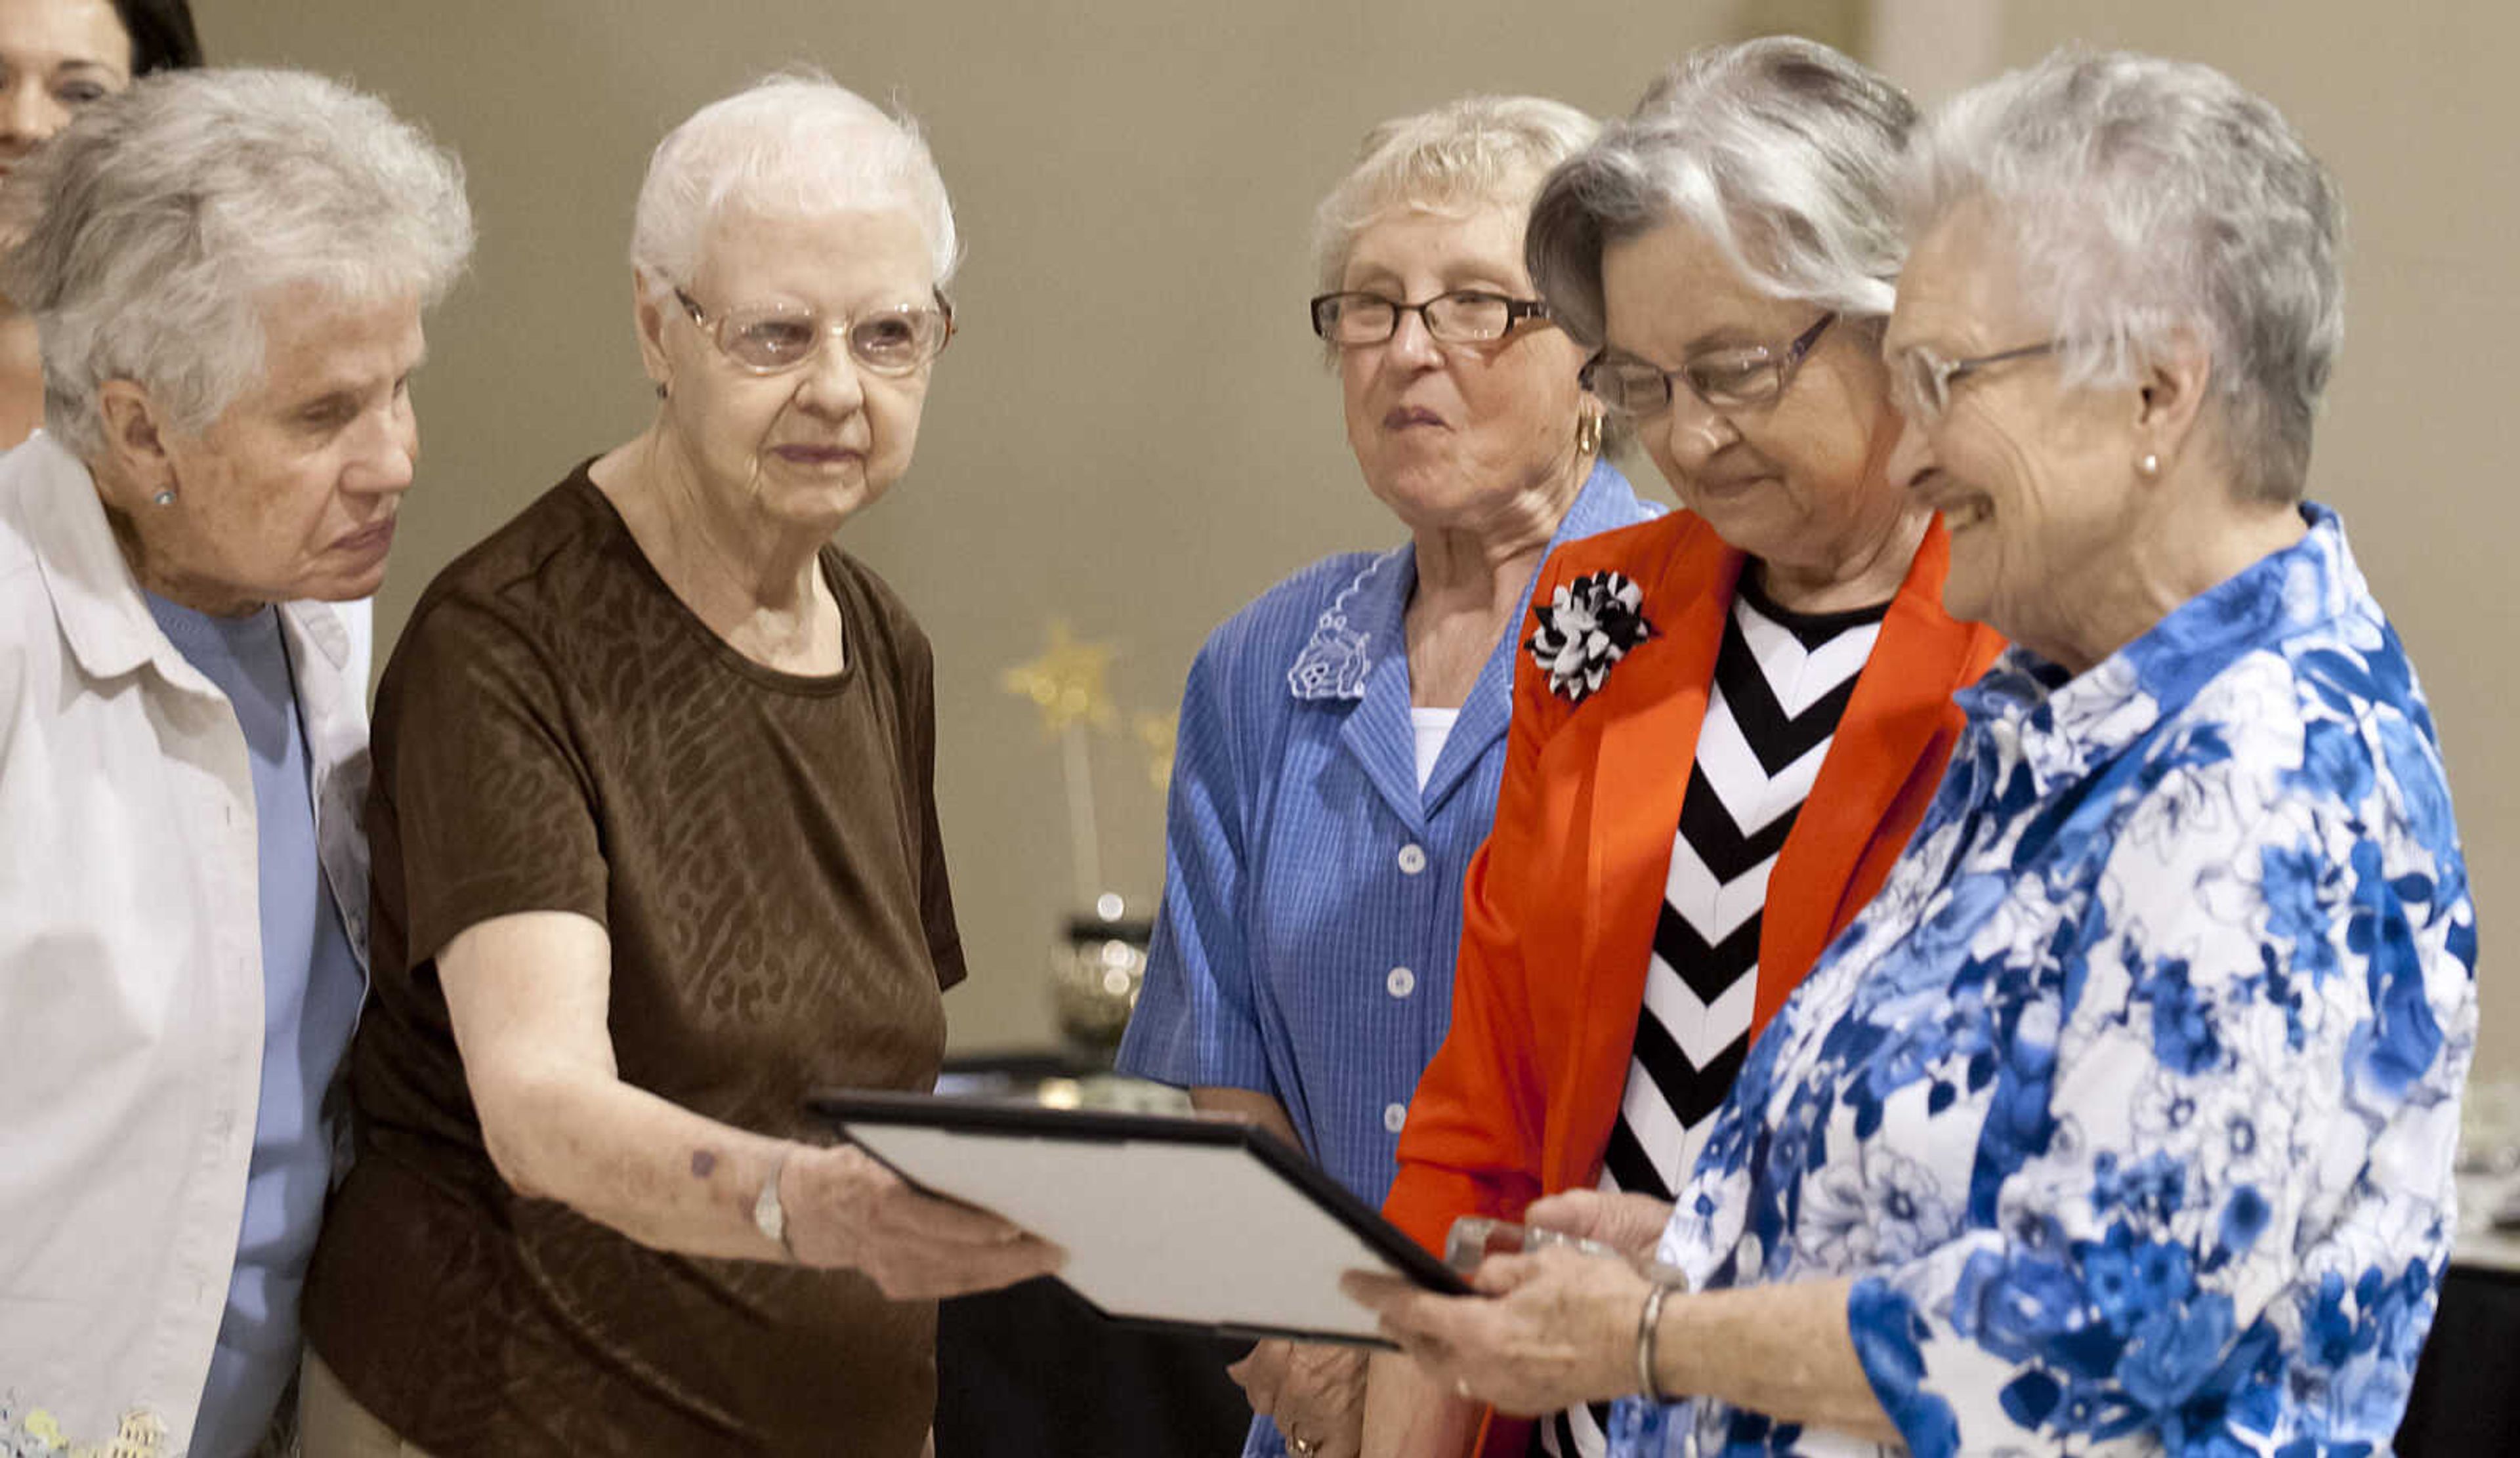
(2122, 1119)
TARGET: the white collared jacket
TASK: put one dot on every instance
(131, 976)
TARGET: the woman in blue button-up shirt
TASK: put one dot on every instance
(2122, 1119)
(1341, 738)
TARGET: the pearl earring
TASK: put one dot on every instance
(2149, 466)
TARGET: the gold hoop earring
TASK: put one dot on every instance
(1588, 434)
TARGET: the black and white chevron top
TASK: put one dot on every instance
(1781, 682)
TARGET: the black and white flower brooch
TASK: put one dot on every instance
(1588, 625)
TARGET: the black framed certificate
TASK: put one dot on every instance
(1169, 1221)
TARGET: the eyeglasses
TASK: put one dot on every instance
(1465, 316)
(1734, 377)
(1921, 382)
(766, 339)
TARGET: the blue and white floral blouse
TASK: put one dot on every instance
(2130, 1100)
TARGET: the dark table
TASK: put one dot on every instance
(1032, 1372)
(2466, 1402)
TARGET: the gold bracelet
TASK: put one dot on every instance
(1646, 1321)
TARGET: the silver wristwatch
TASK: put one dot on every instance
(769, 1216)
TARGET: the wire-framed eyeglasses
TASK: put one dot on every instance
(1921, 380)
(766, 339)
(1735, 377)
(1463, 316)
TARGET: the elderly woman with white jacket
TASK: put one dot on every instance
(228, 271)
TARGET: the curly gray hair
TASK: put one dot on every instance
(151, 229)
(1474, 151)
(798, 145)
(2147, 201)
(1783, 153)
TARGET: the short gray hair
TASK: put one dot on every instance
(1783, 153)
(2145, 200)
(1476, 150)
(152, 228)
(792, 146)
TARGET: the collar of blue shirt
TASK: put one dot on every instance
(1366, 615)
(2063, 725)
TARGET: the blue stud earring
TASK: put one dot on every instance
(165, 498)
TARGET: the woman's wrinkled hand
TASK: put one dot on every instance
(1546, 1331)
(843, 1209)
(1631, 1225)
(1315, 1393)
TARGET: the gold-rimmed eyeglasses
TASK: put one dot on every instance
(766, 339)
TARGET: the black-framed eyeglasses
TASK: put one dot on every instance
(766, 339)
(1734, 376)
(1463, 316)
(1921, 380)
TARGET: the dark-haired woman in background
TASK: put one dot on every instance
(56, 56)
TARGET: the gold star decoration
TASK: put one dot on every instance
(1156, 735)
(1068, 682)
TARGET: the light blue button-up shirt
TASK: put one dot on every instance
(1313, 892)
(311, 990)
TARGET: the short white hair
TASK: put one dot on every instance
(1781, 151)
(1479, 151)
(2145, 200)
(152, 229)
(792, 146)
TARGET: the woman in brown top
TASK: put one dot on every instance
(656, 853)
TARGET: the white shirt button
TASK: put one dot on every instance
(1401, 983)
(1394, 1116)
(1413, 860)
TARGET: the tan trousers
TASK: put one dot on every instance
(330, 1423)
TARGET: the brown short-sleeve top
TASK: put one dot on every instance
(557, 732)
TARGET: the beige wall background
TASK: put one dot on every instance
(1134, 433)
